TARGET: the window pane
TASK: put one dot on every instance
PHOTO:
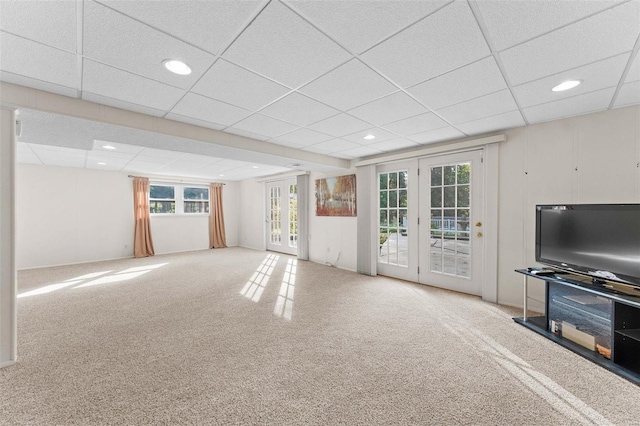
(402, 179)
(393, 198)
(449, 196)
(393, 180)
(463, 196)
(449, 175)
(403, 220)
(383, 218)
(196, 193)
(436, 219)
(463, 173)
(436, 176)
(403, 198)
(162, 192)
(196, 207)
(393, 220)
(162, 206)
(436, 197)
(383, 181)
(383, 199)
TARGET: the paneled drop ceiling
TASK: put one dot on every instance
(316, 76)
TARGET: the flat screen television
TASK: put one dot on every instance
(598, 240)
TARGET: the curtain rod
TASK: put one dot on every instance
(177, 181)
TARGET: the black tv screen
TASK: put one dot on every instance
(600, 240)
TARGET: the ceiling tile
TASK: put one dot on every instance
(107, 81)
(388, 109)
(194, 121)
(142, 166)
(358, 25)
(606, 34)
(483, 106)
(25, 154)
(116, 103)
(438, 135)
(108, 39)
(358, 152)
(512, 22)
(50, 22)
(236, 86)
(596, 76)
(394, 144)
(203, 108)
(492, 124)
(380, 135)
(35, 60)
(629, 95)
(301, 137)
(340, 125)
(98, 145)
(276, 36)
(582, 104)
(221, 19)
(335, 145)
(471, 81)
(264, 125)
(110, 157)
(298, 109)
(416, 124)
(348, 86)
(446, 40)
(634, 71)
(38, 84)
(160, 154)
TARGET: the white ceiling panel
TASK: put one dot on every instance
(160, 154)
(358, 152)
(416, 124)
(236, 86)
(194, 121)
(49, 22)
(276, 36)
(98, 79)
(494, 123)
(471, 81)
(340, 125)
(37, 84)
(484, 106)
(629, 95)
(358, 25)
(512, 22)
(265, 125)
(210, 110)
(34, 60)
(301, 137)
(25, 154)
(222, 19)
(98, 145)
(446, 40)
(394, 144)
(348, 86)
(380, 135)
(606, 34)
(582, 104)
(389, 109)
(298, 109)
(117, 103)
(109, 36)
(110, 157)
(438, 135)
(105, 167)
(634, 71)
(334, 145)
(596, 76)
(142, 166)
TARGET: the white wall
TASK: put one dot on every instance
(593, 158)
(73, 215)
(252, 215)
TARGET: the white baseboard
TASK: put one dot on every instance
(7, 364)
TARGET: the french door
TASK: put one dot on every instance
(282, 216)
(451, 203)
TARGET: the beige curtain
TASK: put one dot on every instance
(217, 238)
(142, 242)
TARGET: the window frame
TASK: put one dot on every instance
(179, 199)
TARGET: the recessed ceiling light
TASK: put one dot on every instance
(569, 84)
(220, 175)
(102, 163)
(255, 167)
(369, 137)
(109, 147)
(176, 67)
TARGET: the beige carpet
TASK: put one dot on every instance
(236, 336)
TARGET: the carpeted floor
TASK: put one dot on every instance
(236, 336)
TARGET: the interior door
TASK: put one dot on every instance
(282, 216)
(451, 217)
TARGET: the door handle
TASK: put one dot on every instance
(478, 223)
(479, 234)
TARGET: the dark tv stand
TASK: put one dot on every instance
(601, 325)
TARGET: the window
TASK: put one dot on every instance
(178, 199)
(393, 214)
(293, 216)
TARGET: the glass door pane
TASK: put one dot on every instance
(393, 217)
